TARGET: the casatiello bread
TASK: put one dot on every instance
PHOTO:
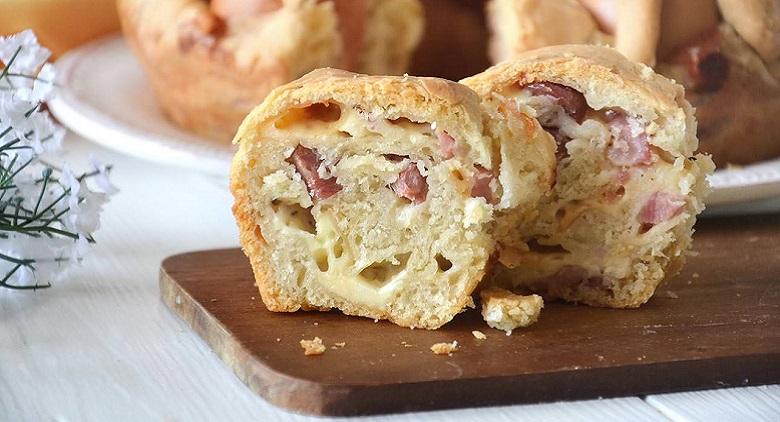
(629, 184)
(379, 195)
(726, 53)
(211, 62)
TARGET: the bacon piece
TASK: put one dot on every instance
(448, 144)
(481, 187)
(708, 69)
(571, 100)
(411, 184)
(307, 162)
(630, 146)
(660, 207)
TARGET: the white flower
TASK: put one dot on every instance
(30, 54)
(43, 85)
(47, 216)
(101, 178)
(88, 215)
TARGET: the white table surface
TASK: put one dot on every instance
(101, 345)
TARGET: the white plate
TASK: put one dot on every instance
(105, 97)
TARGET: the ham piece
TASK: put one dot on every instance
(481, 186)
(630, 146)
(411, 184)
(307, 163)
(660, 207)
(448, 145)
(571, 100)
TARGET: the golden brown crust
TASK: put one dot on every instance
(432, 97)
(608, 80)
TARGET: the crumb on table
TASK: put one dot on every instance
(504, 310)
(479, 335)
(313, 347)
(338, 345)
(445, 348)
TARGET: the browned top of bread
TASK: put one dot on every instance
(424, 98)
(606, 79)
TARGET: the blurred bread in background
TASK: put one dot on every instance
(454, 44)
(210, 63)
(725, 52)
(60, 24)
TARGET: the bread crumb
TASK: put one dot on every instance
(313, 347)
(672, 295)
(445, 348)
(479, 335)
(278, 339)
(504, 310)
(376, 320)
(340, 344)
(316, 323)
(405, 344)
(695, 275)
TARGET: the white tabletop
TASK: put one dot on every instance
(100, 345)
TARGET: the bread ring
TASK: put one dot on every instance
(208, 72)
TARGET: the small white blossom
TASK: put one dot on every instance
(30, 54)
(101, 178)
(47, 216)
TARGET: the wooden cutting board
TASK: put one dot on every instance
(717, 324)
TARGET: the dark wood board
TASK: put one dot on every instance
(717, 324)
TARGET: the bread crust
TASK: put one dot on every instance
(608, 80)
